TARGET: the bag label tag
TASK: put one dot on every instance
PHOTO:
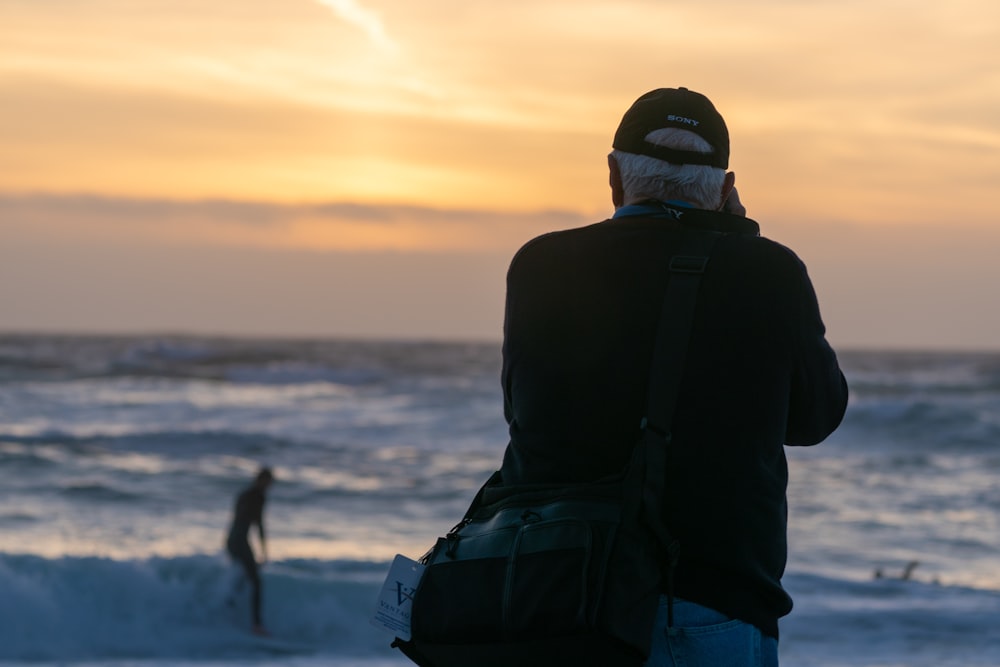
(395, 602)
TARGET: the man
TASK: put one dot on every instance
(581, 318)
(249, 511)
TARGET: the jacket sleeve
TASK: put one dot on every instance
(818, 392)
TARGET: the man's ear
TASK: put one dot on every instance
(615, 180)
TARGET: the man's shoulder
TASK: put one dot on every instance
(776, 252)
(559, 236)
(556, 242)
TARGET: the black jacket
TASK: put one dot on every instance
(581, 315)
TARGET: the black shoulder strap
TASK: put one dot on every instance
(673, 336)
(674, 328)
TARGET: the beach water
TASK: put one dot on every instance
(121, 458)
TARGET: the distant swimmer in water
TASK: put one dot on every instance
(249, 511)
(906, 575)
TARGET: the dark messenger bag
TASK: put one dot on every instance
(538, 575)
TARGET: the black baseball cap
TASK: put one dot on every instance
(680, 108)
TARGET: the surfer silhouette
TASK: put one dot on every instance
(249, 511)
(906, 575)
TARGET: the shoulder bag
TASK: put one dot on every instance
(539, 575)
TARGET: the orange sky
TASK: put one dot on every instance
(270, 132)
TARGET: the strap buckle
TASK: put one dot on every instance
(688, 264)
(646, 425)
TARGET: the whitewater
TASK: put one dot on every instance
(121, 457)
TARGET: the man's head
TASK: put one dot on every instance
(671, 144)
(264, 478)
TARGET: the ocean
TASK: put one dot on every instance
(121, 458)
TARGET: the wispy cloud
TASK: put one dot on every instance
(363, 18)
(329, 226)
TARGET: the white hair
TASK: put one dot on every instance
(648, 178)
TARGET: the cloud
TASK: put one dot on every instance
(238, 266)
(325, 226)
(363, 18)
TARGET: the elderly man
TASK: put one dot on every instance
(581, 318)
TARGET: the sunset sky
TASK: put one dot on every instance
(368, 167)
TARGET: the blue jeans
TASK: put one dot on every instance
(703, 637)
